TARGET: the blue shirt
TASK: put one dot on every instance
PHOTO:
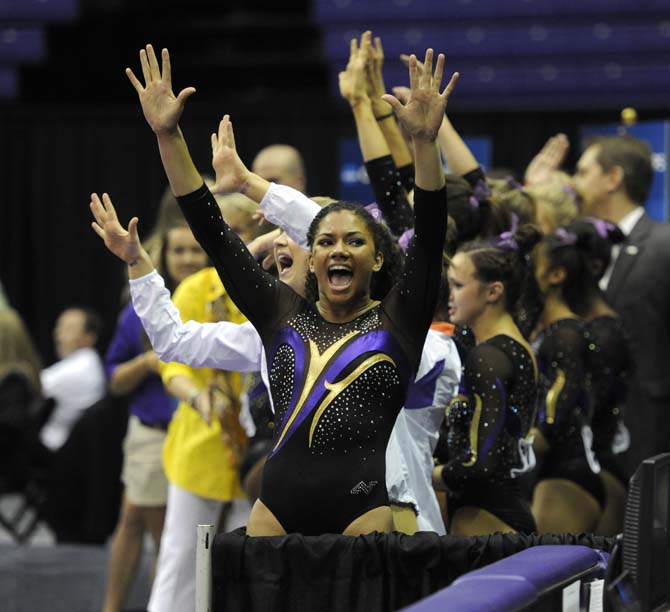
(149, 402)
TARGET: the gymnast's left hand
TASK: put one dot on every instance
(422, 115)
(162, 109)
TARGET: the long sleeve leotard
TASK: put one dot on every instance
(493, 411)
(488, 425)
(388, 186)
(564, 415)
(337, 388)
(563, 408)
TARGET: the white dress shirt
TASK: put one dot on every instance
(75, 383)
(626, 225)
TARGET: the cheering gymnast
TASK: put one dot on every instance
(339, 367)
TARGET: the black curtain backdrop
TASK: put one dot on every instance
(54, 157)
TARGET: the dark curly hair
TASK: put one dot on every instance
(505, 259)
(384, 279)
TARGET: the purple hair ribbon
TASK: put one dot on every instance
(373, 209)
(506, 239)
(566, 238)
(403, 241)
(482, 190)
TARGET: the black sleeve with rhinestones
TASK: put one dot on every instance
(390, 194)
(410, 305)
(476, 418)
(258, 295)
(407, 176)
(561, 358)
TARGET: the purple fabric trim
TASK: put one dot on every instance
(290, 336)
(379, 341)
(501, 421)
(421, 393)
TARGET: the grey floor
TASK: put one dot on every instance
(44, 576)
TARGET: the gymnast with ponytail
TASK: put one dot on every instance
(569, 495)
(490, 420)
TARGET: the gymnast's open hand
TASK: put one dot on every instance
(124, 244)
(422, 116)
(231, 173)
(161, 108)
(352, 80)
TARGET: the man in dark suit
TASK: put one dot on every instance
(614, 176)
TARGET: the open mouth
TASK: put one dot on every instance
(285, 262)
(340, 277)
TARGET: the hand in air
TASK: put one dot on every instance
(161, 108)
(231, 173)
(374, 78)
(422, 116)
(124, 244)
(352, 79)
(547, 162)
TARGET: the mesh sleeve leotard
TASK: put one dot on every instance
(486, 422)
(563, 415)
(390, 195)
(336, 388)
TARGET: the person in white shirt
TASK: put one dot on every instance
(77, 381)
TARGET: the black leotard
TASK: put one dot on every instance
(609, 365)
(390, 194)
(492, 413)
(337, 388)
(564, 407)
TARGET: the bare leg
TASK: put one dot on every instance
(154, 518)
(378, 519)
(262, 522)
(404, 520)
(562, 506)
(471, 521)
(611, 521)
(126, 550)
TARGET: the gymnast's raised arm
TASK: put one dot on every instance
(256, 293)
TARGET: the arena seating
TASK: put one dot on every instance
(520, 53)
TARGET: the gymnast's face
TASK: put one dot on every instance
(292, 263)
(467, 294)
(343, 258)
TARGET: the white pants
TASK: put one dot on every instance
(174, 585)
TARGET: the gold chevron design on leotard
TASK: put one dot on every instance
(474, 432)
(317, 362)
(336, 388)
(553, 394)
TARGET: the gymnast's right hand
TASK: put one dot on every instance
(124, 244)
(161, 108)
